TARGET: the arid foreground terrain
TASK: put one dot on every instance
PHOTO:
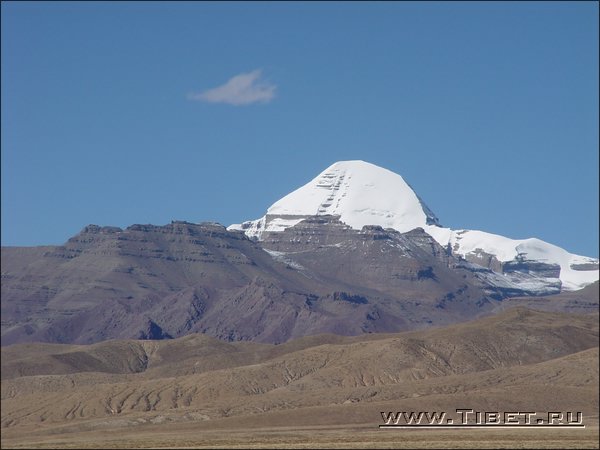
(320, 391)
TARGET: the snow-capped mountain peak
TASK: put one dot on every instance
(360, 193)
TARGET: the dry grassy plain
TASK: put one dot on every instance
(155, 436)
(315, 392)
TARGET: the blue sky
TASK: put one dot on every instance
(120, 113)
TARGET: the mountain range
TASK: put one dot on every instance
(353, 251)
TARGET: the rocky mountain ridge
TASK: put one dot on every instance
(320, 276)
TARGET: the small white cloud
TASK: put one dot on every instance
(243, 89)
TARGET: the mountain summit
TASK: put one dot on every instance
(362, 194)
